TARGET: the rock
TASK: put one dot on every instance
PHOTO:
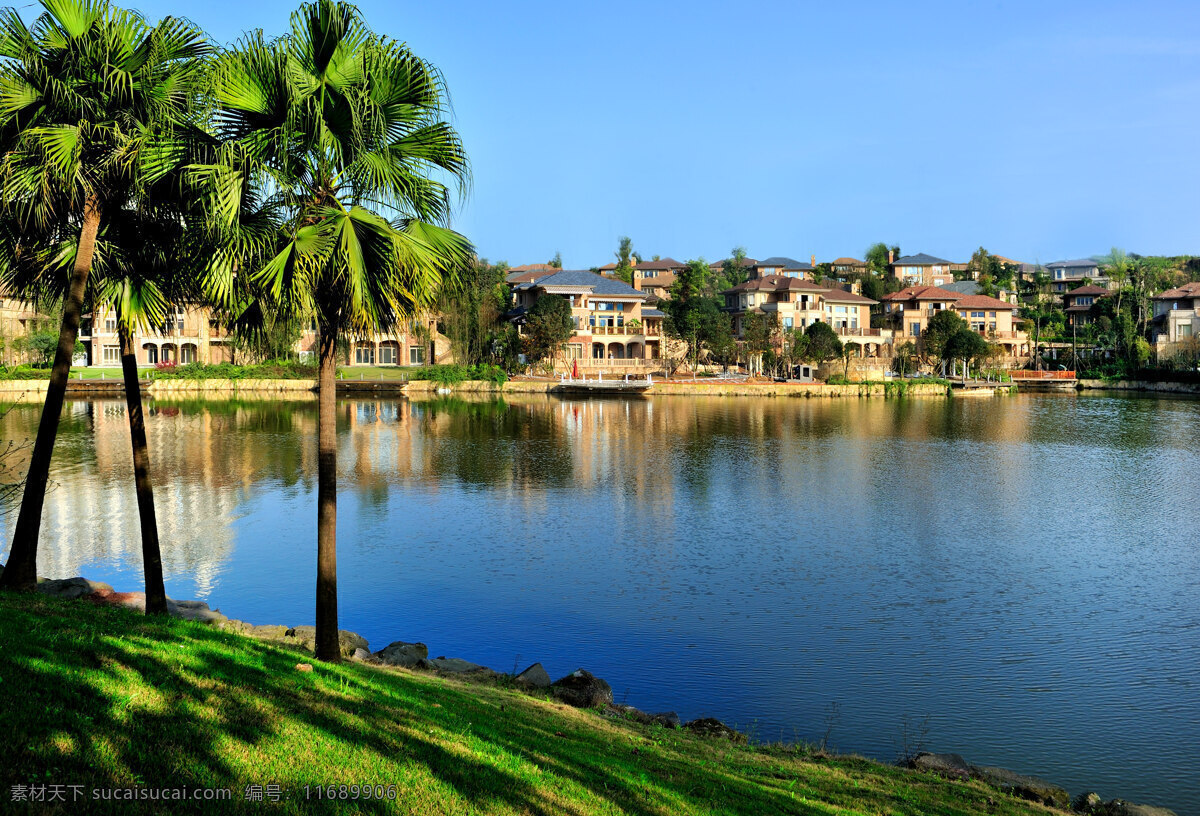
(70, 588)
(363, 656)
(456, 665)
(306, 636)
(1025, 787)
(951, 765)
(1119, 807)
(267, 632)
(582, 689)
(667, 719)
(403, 654)
(626, 712)
(304, 667)
(1087, 802)
(195, 611)
(533, 677)
(714, 729)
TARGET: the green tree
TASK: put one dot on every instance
(549, 326)
(694, 316)
(471, 308)
(319, 126)
(968, 346)
(556, 261)
(92, 99)
(876, 257)
(823, 344)
(625, 262)
(733, 268)
(937, 333)
(905, 359)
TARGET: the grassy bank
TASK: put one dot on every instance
(104, 698)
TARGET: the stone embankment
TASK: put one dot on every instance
(1140, 385)
(580, 689)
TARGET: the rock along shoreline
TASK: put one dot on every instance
(580, 689)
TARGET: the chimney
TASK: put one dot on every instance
(891, 257)
(813, 261)
(637, 282)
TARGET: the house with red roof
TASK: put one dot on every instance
(1177, 318)
(800, 303)
(1078, 303)
(909, 311)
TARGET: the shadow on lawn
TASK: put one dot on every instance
(215, 713)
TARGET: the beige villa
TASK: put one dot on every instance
(909, 311)
(922, 270)
(614, 326)
(1177, 318)
(800, 303)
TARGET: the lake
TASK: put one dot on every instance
(1015, 579)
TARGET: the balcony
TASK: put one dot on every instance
(859, 332)
(619, 331)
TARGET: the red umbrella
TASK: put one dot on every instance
(575, 371)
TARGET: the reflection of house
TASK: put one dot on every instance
(612, 322)
(1078, 304)
(1177, 316)
(1066, 275)
(800, 303)
(910, 310)
(922, 270)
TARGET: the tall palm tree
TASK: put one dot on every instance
(86, 93)
(338, 136)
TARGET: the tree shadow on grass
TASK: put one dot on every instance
(179, 705)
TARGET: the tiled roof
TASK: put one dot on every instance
(531, 267)
(599, 284)
(1188, 290)
(1090, 289)
(966, 287)
(785, 263)
(528, 275)
(652, 312)
(661, 263)
(1080, 263)
(659, 280)
(923, 293)
(776, 283)
(848, 262)
(1079, 307)
(842, 296)
(920, 259)
(746, 262)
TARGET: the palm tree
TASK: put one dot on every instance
(87, 93)
(329, 132)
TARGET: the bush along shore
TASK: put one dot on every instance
(113, 700)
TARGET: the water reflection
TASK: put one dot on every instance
(1022, 568)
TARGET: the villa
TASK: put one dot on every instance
(921, 270)
(1066, 275)
(1078, 304)
(800, 303)
(1177, 317)
(910, 309)
(613, 326)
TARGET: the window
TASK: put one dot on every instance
(110, 325)
(788, 322)
(388, 354)
(575, 351)
(992, 326)
(839, 309)
(1185, 331)
(152, 354)
(112, 355)
(914, 329)
(364, 355)
(977, 314)
(416, 355)
(187, 353)
(991, 314)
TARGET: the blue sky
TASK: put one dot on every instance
(1040, 130)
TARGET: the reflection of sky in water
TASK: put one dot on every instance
(1023, 570)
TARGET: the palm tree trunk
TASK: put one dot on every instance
(327, 646)
(156, 592)
(21, 570)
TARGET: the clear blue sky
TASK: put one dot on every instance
(1040, 130)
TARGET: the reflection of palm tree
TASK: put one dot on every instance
(322, 125)
(92, 95)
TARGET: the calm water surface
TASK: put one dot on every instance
(1016, 578)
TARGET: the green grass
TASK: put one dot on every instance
(102, 697)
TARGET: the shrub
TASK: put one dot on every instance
(837, 379)
(451, 374)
